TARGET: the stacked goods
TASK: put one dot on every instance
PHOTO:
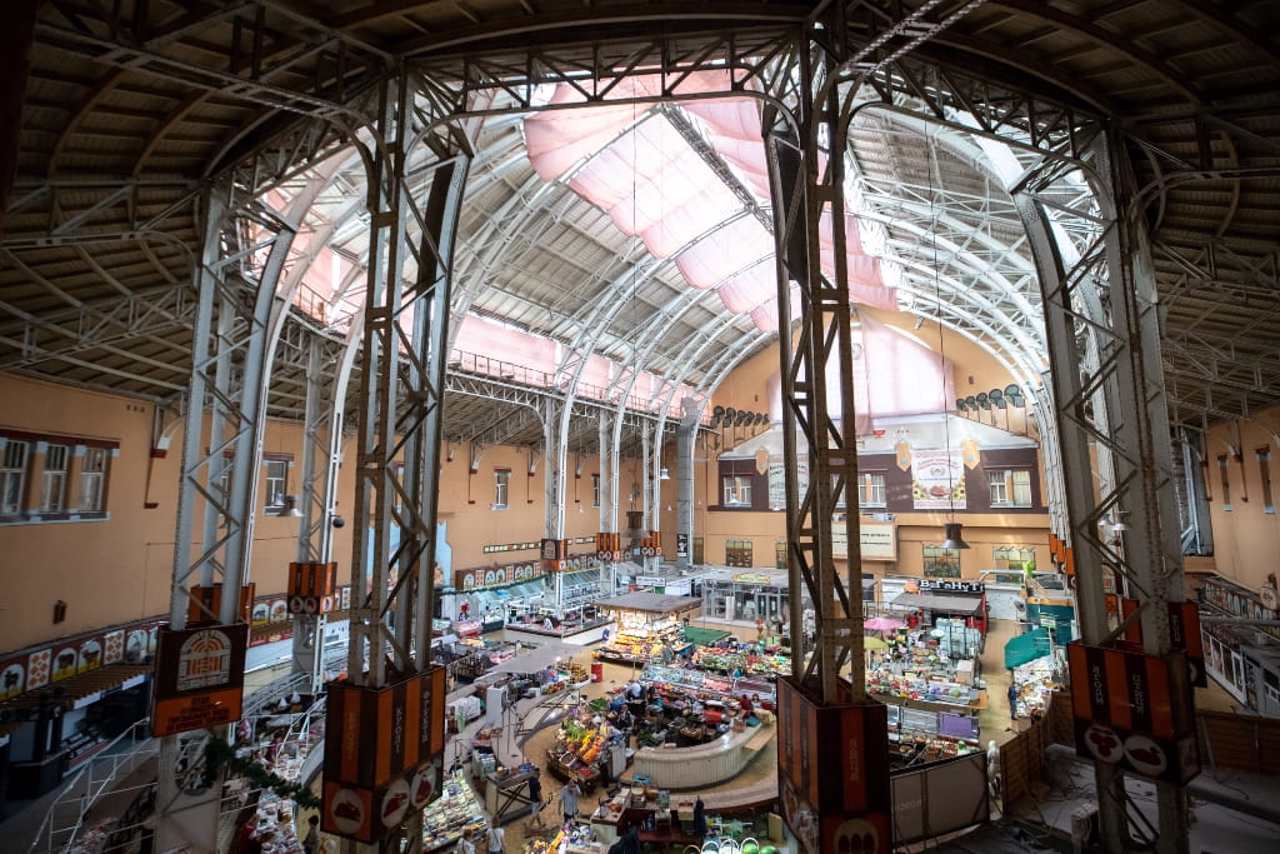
(455, 813)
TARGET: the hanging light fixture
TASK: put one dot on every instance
(953, 538)
(951, 530)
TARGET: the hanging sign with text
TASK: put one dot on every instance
(199, 678)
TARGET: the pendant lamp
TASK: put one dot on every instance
(953, 539)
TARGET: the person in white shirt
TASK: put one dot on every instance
(465, 845)
(497, 840)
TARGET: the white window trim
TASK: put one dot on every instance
(1005, 479)
(736, 490)
(278, 507)
(870, 482)
(501, 489)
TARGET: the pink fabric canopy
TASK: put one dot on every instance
(892, 375)
(882, 624)
(640, 169)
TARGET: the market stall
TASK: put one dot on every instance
(940, 603)
(648, 626)
(917, 672)
(585, 749)
(455, 812)
(579, 624)
(920, 736)
(740, 660)
(1037, 665)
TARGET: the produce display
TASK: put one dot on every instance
(578, 752)
(577, 840)
(913, 687)
(921, 749)
(455, 812)
(749, 663)
(709, 683)
(636, 646)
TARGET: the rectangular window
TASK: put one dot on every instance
(872, 493)
(1264, 468)
(780, 549)
(595, 490)
(941, 563)
(501, 488)
(1226, 482)
(737, 491)
(1012, 557)
(737, 552)
(13, 476)
(53, 492)
(277, 484)
(1009, 487)
(93, 477)
(699, 551)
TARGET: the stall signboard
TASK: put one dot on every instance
(937, 481)
(759, 578)
(313, 588)
(1184, 634)
(384, 750)
(553, 554)
(878, 541)
(650, 580)
(495, 576)
(1127, 712)
(952, 585)
(199, 678)
(833, 765)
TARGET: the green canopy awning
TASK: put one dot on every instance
(1024, 648)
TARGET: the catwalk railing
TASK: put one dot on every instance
(98, 778)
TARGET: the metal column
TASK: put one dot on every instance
(804, 194)
(1124, 380)
(402, 405)
(606, 471)
(686, 442)
(233, 236)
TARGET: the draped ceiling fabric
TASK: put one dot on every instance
(893, 375)
(654, 186)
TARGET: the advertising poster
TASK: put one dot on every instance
(937, 481)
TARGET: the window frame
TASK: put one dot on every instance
(780, 553)
(1006, 480)
(947, 557)
(595, 490)
(997, 558)
(501, 489)
(1224, 474)
(734, 484)
(14, 472)
(94, 475)
(49, 475)
(873, 481)
(734, 550)
(1264, 472)
(280, 508)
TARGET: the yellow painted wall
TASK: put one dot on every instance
(1246, 538)
(121, 568)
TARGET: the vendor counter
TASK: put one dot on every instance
(703, 765)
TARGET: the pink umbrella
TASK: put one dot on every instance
(882, 624)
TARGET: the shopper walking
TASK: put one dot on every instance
(497, 840)
(569, 800)
(1013, 698)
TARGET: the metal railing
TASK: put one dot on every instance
(96, 778)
